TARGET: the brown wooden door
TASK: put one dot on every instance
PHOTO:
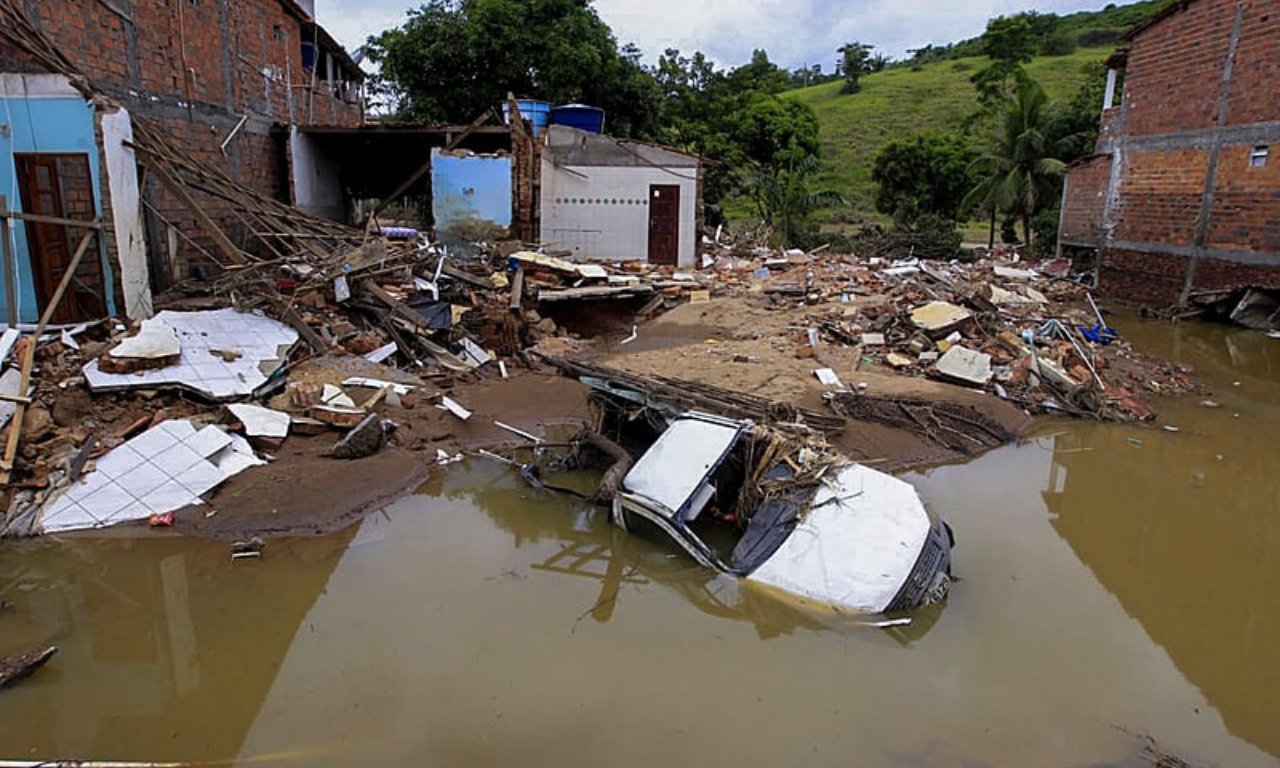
(664, 224)
(60, 185)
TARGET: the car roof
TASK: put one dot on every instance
(673, 468)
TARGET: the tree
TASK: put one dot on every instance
(1017, 174)
(759, 74)
(1010, 42)
(452, 59)
(782, 194)
(855, 61)
(927, 173)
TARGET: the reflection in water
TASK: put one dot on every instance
(1184, 528)
(149, 627)
(1106, 589)
(590, 547)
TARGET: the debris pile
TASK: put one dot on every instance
(1024, 334)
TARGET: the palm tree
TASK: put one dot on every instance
(1017, 174)
(782, 194)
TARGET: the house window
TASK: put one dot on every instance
(1258, 157)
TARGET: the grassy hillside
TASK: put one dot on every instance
(899, 102)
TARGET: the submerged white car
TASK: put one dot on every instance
(855, 540)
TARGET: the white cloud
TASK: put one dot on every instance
(794, 32)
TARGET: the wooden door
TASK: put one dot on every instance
(664, 224)
(60, 185)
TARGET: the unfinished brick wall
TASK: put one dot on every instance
(1160, 194)
(1085, 201)
(194, 68)
(1180, 139)
(1174, 73)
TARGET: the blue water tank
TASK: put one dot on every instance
(581, 116)
(538, 113)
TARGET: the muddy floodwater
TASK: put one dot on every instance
(1117, 582)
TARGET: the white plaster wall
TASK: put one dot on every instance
(126, 213)
(317, 186)
(614, 224)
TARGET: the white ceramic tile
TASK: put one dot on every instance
(108, 500)
(134, 510)
(144, 479)
(201, 478)
(73, 519)
(88, 485)
(152, 442)
(179, 428)
(59, 505)
(169, 497)
(175, 460)
(258, 338)
(116, 462)
(208, 441)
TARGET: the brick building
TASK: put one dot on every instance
(227, 82)
(1182, 197)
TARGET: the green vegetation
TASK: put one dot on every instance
(899, 102)
(800, 160)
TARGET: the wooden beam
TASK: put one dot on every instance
(425, 168)
(36, 218)
(225, 246)
(398, 309)
(517, 289)
(308, 334)
(29, 359)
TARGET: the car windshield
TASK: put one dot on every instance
(675, 469)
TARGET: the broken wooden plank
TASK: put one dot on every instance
(425, 168)
(594, 292)
(225, 246)
(403, 312)
(16, 668)
(29, 358)
(517, 288)
(308, 334)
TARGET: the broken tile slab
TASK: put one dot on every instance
(473, 354)
(10, 383)
(452, 406)
(334, 397)
(382, 353)
(7, 340)
(937, 316)
(1011, 273)
(368, 383)
(262, 344)
(336, 415)
(828, 378)
(155, 340)
(168, 467)
(259, 421)
(873, 339)
(1003, 298)
(966, 366)
(898, 361)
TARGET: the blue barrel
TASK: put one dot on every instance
(581, 116)
(538, 113)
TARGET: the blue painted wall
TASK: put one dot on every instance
(470, 192)
(45, 125)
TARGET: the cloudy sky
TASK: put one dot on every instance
(794, 32)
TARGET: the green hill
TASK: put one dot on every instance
(902, 101)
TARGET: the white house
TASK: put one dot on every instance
(609, 199)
